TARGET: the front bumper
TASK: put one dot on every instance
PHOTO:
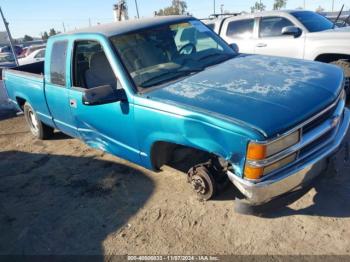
(295, 177)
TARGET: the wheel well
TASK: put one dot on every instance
(20, 102)
(177, 156)
(328, 58)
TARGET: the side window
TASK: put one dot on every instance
(240, 28)
(272, 26)
(201, 40)
(91, 66)
(58, 63)
(40, 54)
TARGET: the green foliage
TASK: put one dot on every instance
(27, 38)
(177, 8)
(279, 4)
(259, 6)
(52, 32)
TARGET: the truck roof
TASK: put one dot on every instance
(123, 27)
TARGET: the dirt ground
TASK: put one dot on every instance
(61, 197)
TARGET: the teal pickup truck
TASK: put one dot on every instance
(161, 90)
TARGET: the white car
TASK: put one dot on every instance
(292, 33)
(36, 56)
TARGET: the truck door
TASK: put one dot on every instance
(56, 87)
(240, 32)
(271, 41)
(109, 127)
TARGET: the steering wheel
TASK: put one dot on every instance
(187, 49)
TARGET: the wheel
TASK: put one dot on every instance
(202, 182)
(346, 67)
(38, 128)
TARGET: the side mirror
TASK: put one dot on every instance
(291, 30)
(103, 95)
(234, 47)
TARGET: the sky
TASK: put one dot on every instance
(33, 17)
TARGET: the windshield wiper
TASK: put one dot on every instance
(178, 73)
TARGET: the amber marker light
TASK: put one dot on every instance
(251, 172)
(256, 151)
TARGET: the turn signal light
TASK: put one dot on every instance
(256, 151)
(251, 172)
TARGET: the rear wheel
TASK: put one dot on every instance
(346, 67)
(37, 128)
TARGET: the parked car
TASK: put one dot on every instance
(6, 61)
(268, 124)
(7, 49)
(341, 19)
(31, 49)
(297, 33)
(36, 56)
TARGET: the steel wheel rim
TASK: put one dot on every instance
(33, 121)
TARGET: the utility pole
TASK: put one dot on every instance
(137, 9)
(9, 36)
(222, 8)
(214, 7)
(332, 5)
(64, 27)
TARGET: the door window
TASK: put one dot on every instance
(91, 66)
(272, 26)
(58, 63)
(40, 54)
(240, 28)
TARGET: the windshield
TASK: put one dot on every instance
(159, 55)
(312, 21)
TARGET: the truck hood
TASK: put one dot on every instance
(271, 94)
(337, 33)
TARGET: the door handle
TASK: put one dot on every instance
(73, 103)
(261, 45)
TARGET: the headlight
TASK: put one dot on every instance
(257, 151)
(260, 151)
(252, 172)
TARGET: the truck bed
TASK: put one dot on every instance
(26, 84)
(33, 69)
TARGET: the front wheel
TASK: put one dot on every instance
(202, 182)
(37, 128)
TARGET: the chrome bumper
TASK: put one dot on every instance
(296, 176)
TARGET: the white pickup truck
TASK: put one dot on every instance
(292, 33)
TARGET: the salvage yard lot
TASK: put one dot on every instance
(61, 197)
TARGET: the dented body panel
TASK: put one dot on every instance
(218, 110)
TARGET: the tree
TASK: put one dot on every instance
(45, 36)
(279, 4)
(259, 6)
(177, 7)
(27, 38)
(52, 32)
(319, 9)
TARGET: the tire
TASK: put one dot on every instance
(37, 128)
(202, 182)
(346, 67)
